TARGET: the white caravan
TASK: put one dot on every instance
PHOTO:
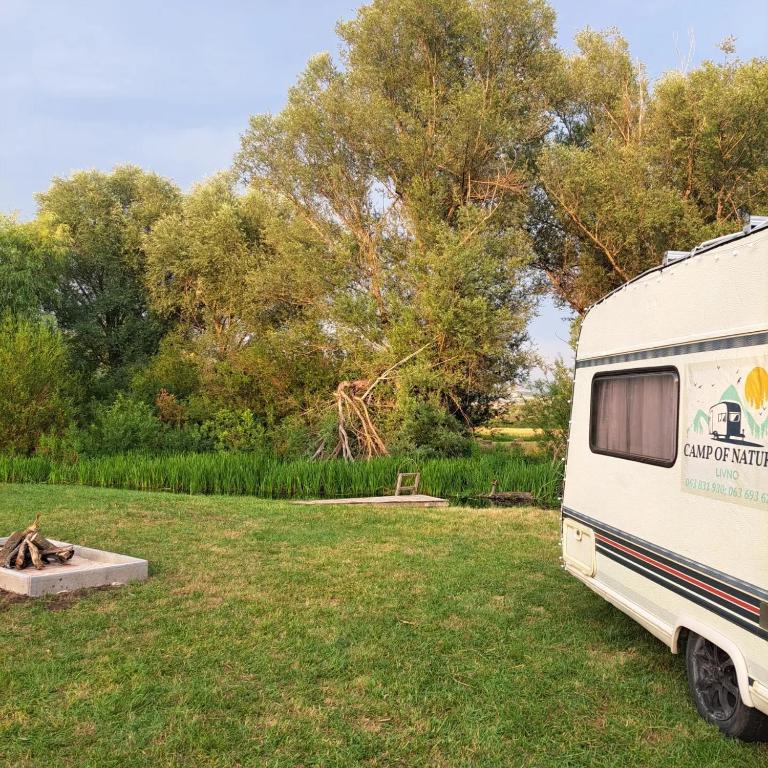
(665, 507)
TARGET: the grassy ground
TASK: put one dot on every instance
(272, 635)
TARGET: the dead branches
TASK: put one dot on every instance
(354, 417)
(356, 428)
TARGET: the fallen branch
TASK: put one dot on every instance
(355, 420)
(389, 370)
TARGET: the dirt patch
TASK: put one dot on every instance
(372, 725)
(611, 656)
(60, 602)
(661, 736)
(10, 598)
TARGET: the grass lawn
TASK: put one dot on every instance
(275, 635)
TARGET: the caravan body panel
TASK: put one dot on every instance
(680, 541)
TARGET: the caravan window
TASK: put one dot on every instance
(634, 415)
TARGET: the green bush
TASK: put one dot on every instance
(36, 384)
(66, 447)
(424, 430)
(172, 369)
(130, 425)
(550, 410)
(231, 430)
(127, 424)
(292, 438)
(189, 438)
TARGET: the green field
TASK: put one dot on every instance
(276, 635)
(505, 434)
(525, 440)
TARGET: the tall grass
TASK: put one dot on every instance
(253, 474)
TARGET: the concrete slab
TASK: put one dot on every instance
(415, 500)
(87, 568)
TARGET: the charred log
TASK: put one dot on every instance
(30, 548)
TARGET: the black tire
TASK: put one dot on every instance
(715, 692)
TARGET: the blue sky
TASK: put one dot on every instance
(169, 85)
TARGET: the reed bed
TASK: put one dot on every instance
(264, 476)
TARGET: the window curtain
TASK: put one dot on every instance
(636, 415)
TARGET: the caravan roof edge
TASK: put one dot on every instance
(697, 251)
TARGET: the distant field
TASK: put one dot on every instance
(509, 433)
(282, 636)
(525, 439)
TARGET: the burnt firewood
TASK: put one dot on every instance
(41, 542)
(9, 560)
(62, 554)
(10, 548)
(21, 555)
(30, 547)
(50, 551)
(34, 553)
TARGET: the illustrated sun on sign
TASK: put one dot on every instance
(756, 387)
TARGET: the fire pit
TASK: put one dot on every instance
(59, 566)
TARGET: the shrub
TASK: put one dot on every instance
(172, 369)
(550, 410)
(188, 438)
(127, 424)
(36, 384)
(169, 410)
(231, 430)
(63, 448)
(426, 430)
(292, 438)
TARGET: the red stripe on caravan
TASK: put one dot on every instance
(679, 575)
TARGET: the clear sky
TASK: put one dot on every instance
(169, 84)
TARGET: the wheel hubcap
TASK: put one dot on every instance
(716, 683)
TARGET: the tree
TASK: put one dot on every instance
(631, 172)
(26, 278)
(36, 384)
(550, 409)
(100, 300)
(708, 130)
(410, 163)
(245, 280)
(613, 219)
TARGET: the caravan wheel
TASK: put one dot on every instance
(715, 691)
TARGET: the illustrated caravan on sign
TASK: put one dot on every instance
(725, 421)
(665, 502)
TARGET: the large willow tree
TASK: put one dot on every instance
(410, 159)
(634, 171)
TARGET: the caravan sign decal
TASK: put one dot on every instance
(725, 440)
